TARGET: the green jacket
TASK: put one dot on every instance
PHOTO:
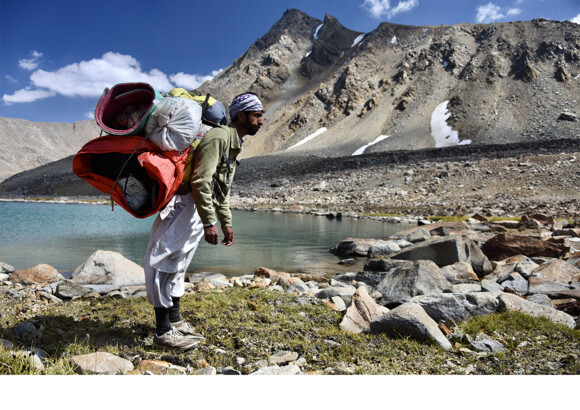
(212, 180)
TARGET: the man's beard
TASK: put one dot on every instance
(250, 128)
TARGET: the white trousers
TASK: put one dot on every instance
(175, 235)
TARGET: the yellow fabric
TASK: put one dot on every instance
(180, 92)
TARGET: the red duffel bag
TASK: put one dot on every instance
(132, 170)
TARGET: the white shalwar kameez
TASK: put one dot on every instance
(175, 235)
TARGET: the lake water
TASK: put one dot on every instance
(65, 235)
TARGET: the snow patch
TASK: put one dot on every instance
(316, 32)
(309, 138)
(442, 133)
(394, 40)
(307, 54)
(357, 40)
(364, 147)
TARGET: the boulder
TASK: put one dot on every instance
(5, 268)
(459, 271)
(505, 245)
(413, 235)
(68, 290)
(109, 268)
(412, 279)
(361, 311)
(509, 302)
(458, 307)
(556, 270)
(410, 319)
(383, 249)
(359, 247)
(102, 363)
(38, 274)
(555, 290)
(447, 251)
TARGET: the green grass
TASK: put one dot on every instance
(253, 324)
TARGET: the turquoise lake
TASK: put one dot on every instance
(65, 235)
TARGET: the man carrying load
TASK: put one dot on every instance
(179, 227)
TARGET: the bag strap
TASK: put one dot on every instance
(205, 103)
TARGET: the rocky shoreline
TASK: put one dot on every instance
(417, 284)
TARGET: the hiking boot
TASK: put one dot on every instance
(186, 329)
(174, 339)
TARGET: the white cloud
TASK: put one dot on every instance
(576, 19)
(11, 79)
(382, 8)
(30, 63)
(514, 12)
(90, 78)
(27, 95)
(488, 13)
(191, 81)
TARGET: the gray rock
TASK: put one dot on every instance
(410, 319)
(207, 371)
(358, 247)
(109, 268)
(519, 286)
(491, 286)
(484, 343)
(412, 279)
(540, 299)
(102, 363)
(413, 235)
(511, 303)
(556, 270)
(447, 251)
(68, 289)
(276, 370)
(5, 268)
(552, 289)
(458, 307)
(332, 291)
(465, 288)
(4, 277)
(339, 304)
(101, 289)
(283, 357)
(298, 285)
(383, 249)
(27, 332)
(459, 271)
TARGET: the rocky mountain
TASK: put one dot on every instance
(26, 144)
(395, 88)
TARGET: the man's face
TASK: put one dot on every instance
(252, 122)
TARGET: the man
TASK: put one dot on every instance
(179, 227)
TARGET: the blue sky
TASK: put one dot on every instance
(56, 57)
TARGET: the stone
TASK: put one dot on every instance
(552, 289)
(271, 274)
(410, 319)
(509, 302)
(520, 286)
(505, 245)
(383, 249)
(68, 289)
(339, 304)
(102, 363)
(42, 273)
(361, 311)
(109, 268)
(282, 357)
(276, 370)
(152, 366)
(458, 307)
(484, 343)
(491, 286)
(469, 287)
(359, 247)
(556, 271)
(413, 235)
(332, 291)
(447, 251)
(27, 332)
(207, 371)
(414, 278)
(459, 271)
(5, 268)
(523, 265)
(540, 299)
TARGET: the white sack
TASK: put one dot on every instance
(174, 124)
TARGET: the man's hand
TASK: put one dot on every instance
(211, 234)
(229, 236)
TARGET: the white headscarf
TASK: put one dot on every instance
(245, 102)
